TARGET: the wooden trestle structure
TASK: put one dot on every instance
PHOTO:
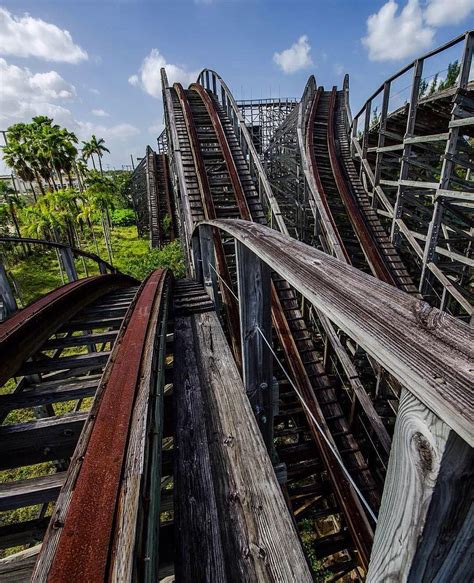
(295, 409)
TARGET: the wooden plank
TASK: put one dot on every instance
(22, 533)
(45, 393)
(31, 491)
(199, 554)
(426, 350)
(47, 439)
(253, 279)
(425, 521)
(258, 545)
(91, 360)
(17, 568)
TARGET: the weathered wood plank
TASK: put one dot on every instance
(428, 351)
(259, 539)
(423, 527)
(199, 555)
(52, 438)
(17, 568)
(45, 393)
(253, 278)
(31, 491)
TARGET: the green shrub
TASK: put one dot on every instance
(169, 256)
(123, 218)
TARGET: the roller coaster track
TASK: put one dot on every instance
(187, 427)
(359, 231)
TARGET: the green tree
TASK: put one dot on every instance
(94, 146)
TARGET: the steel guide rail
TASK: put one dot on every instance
(73, 545)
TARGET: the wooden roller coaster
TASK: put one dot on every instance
(293, 410)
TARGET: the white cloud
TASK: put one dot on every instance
(295, 58)
(443, 12)
(392, 36)
(26, 36)
(24, 94)
(149, 76)
(99, 113)
(94, 91)
(120, 132)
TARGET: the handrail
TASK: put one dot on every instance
(53, 244)
(426, 350)
(406, 68)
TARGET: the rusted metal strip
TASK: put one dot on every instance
(229, 160)
(84, 546)
(367, 241)
(23, 333)
(313, 166)
(229, 301)
(354, 513)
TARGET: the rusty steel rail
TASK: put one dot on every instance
(28, 328)
(80, 537)
(229, 302)
(313, 168)
(367, 241)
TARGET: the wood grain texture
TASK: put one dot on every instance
(259, 539)
(17, 568)
(428, 351)
(253, 279)
(199, 555)
(418, 447)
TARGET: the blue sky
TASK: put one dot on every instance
(102, 75)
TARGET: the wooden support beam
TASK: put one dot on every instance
(17, 568)
(425, 525)
(6, 293)
(67, 259)
(208, 265)
(48, 439)
(257, 546)
(22, 533)
(253, 278)
(31, 491)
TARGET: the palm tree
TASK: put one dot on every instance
(95, 146)
(11, 198)
(88, 152)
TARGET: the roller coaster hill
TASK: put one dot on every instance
(300, 406)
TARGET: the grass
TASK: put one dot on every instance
(39, 273)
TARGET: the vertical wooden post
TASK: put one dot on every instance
(425, 520)
(405, 166)
(6, 292)
(365, 137)
(67, 259)
(208, 262)
(429, 253)
(196, 255)
(253, 277)
(102, 268)
(381, 141)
